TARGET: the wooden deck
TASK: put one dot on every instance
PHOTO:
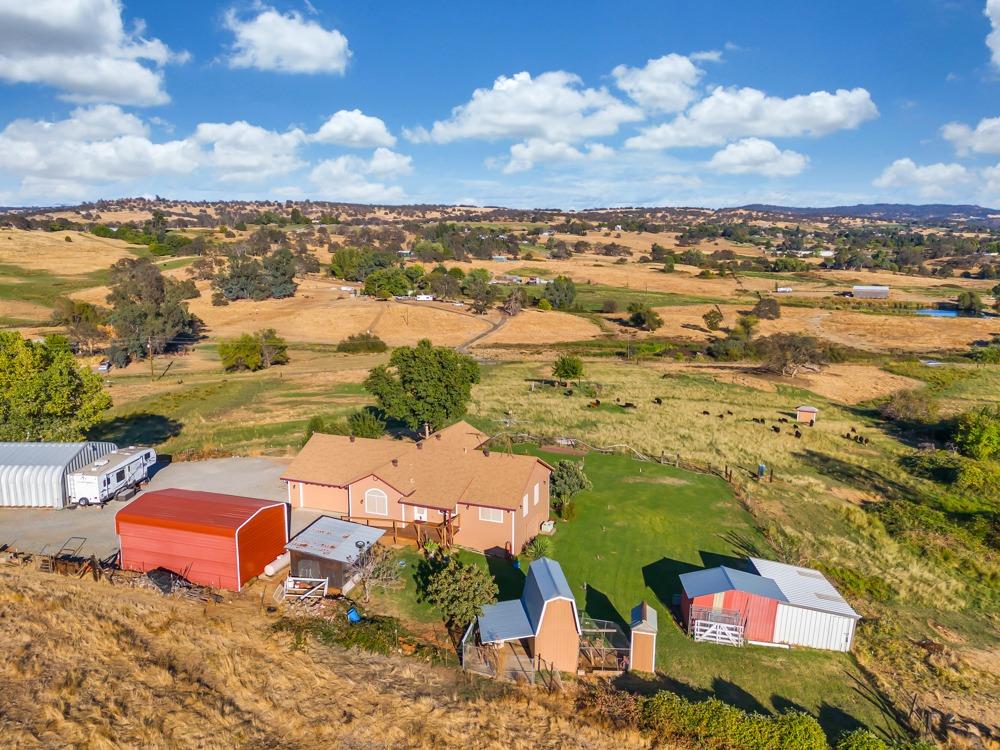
(410, 533)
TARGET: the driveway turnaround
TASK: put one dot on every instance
(32, 529)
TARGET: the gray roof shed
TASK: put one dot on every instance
(33, 475)
(333, 539)
(521, 618)
(805, 587)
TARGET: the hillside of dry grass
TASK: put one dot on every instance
(90, 665)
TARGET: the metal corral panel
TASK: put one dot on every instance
(33, 475)
(797, 626)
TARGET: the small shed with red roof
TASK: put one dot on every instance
(209, 538)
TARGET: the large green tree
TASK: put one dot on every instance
(456, 589)
(44, 393)
(561, 292)
(977, 434)
(424, 386)
(148, 310)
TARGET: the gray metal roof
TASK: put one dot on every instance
(871, 287)
(716, 580)
(805, 587)
(521, 618)
(545, 581)
(39, 454)
(811, 409)
(505, 621)
(333, 539)
(34, 474)
(103, 464)
(643, 618)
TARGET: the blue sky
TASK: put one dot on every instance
(556, 104)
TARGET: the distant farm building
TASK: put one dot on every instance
(870, 291)
(215, 540)
(772, 604)
(499, 258)
(806, 414)
(328, 548)
(33, 475)
(448, 488)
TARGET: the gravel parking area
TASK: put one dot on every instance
(30, 529)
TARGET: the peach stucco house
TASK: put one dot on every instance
(489, 500)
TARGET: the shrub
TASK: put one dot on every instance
(568, 478)
(544, 305)
(567, 368)
(362, 342)
(978, 433)
(366, 424)
(609, 306)
(567, 511)
(619, 708)
(644, 317)
(540, 546)
(458, 590)
(718, 725)
(254, 351)
(314, 425)
(767, 308)
(910, 406)
(713, 319)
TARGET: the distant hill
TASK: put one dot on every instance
(928, 212)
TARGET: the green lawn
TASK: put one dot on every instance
(639, 528)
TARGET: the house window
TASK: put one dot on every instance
(524, 505)
(491, 514)
(537, 493)
(376, 502)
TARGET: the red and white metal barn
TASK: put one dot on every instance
(208, 538)
(772, 603)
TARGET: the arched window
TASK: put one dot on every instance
(376, 502)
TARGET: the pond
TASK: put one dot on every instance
(933, 312)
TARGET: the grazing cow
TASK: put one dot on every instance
(705, 413)
(798, 434)
(568, 392)
(783, 420)
(657, 400)
(853, 430)
(628, 405)
(729, 412)
(775, 428)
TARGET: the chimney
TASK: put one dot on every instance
(420, 445)
(486, 451)
(352, 438)
(437, 435)
(395, 462)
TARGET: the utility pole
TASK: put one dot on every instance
(149, 351)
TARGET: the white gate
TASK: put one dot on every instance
(723, 626)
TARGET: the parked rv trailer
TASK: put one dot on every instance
(110, 476)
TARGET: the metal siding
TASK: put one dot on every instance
(797, 626)
(33, 475)
(261, 540)
(758, 614)
(208, 559)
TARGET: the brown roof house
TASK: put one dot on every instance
(447, 484)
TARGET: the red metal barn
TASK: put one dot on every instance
(209, 538)
(743, 602)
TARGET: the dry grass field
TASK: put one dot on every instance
(49, 251)
(96, 667)
(866, 331)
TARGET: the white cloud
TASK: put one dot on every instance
(524, 156)
(729, 113)
(345, 178)
(757, 156)
(97, 145)
(553, 106)
(240, 151)
(993, 40)
(984, 139)
(354, 128)
(708, 55)
(81, 47)
(929, 181)
(286, 43)
(666, 84)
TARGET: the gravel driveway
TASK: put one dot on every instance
(30, 529)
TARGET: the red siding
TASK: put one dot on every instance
(758, 612)
(203, 552)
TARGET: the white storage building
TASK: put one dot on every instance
(33, 475)
(814, 613)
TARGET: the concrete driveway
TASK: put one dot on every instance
(30, 529)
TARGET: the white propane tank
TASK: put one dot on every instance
(281, 561)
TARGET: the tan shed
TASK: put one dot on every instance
(642, 654)
(806, 414)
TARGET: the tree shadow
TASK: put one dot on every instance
(509, 580)
(599, 606)
(894, 722)
(635, 683)
(662, 578)
(716, 559)
(734, 695)
(140, 428)
(743, 544)
(836, 721)
(783, 705)
(853, 475)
